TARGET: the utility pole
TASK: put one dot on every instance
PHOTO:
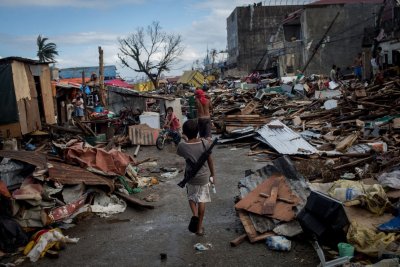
(319, 43)
(101, 77)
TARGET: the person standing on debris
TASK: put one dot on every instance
(79, 112)
(333, 74)
(204, 106)
(172, 123)
(379, 58)
(358, 63)
(198, 190)
(374, 66)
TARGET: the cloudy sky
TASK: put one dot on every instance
(78, 27)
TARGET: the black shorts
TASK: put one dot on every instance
(204, 127)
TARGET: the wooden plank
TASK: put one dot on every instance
(134, 200)
(32, 115)
(47, 95)
(283, 211)
(248, 225)
(250, 229)
(20, 80)
(270, 202)
(22, 117)
(243, 116)
(238, 240)
(10, 130)
(250, 108)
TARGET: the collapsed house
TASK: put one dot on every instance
(27, 101)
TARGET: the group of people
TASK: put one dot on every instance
(376, 65)
(197, 136)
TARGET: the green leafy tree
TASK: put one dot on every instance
(46, 51)
(150, 51)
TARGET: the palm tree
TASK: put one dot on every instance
(46, 52)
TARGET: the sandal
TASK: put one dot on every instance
(194, 221)
(202, 233)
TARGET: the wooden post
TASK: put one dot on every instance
(101, 77)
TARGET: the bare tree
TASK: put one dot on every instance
(152, 49)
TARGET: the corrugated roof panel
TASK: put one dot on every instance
(285, 140)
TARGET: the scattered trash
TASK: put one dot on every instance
(345, 250)
(279, 243)
(153, 197)
(201, 247)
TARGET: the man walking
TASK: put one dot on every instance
(204, 106)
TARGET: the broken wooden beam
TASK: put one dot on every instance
(353, 163)
(134, 200)
(238, 240)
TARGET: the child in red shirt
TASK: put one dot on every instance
(172, 123)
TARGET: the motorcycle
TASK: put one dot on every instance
(164, 138)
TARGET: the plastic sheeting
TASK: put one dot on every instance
(106, 206)
(8, 102)
(45, 242)
(111, 162)
(369, 241)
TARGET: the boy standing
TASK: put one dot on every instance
(198, 186)
(172, 123)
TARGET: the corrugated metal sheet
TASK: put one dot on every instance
(37, 159)
(143, 135)
(284, 140)
(67, 174)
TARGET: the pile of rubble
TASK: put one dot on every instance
(42, 192)
(347, 133)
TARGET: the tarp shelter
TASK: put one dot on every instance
(193, 78)
(26, 96)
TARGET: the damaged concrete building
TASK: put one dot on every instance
(249, 30)
(281, 39)
(302, 31)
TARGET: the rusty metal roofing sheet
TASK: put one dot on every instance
(37, 159)
(68, 174)
(143, 135)
(284, 140)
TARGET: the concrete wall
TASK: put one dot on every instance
(249, 31)
(344, 40)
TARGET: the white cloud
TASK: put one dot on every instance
(69, 3)
(81, 48)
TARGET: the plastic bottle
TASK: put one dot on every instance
(213, 185)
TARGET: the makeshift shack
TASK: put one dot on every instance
(26, 100)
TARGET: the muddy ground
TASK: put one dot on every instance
(138, 237)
